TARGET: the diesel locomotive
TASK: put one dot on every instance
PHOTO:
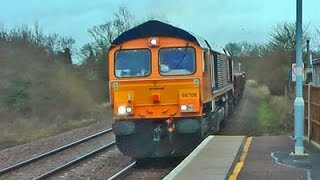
(169, 89)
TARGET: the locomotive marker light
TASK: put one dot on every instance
(128, 110)
(190, 107)
(170, 124)
(154, 42)
(196, 82)
(169, 121)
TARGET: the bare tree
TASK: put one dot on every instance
(245, 49)
(66, 42)
(51, 42)
(87, 51)
(122, 20)
(105, 33)
(38, 34)
(3, 32)
(283, 37)
(234, 49)
(21, 33)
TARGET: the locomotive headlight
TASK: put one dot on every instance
(121, 110)
(154, 42)
(129, 109)
(183, 107)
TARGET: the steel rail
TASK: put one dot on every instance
(123, 171)
(54, 151)
(67, 165)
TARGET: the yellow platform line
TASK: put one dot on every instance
(239, 165)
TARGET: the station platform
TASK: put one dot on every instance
(245, 158)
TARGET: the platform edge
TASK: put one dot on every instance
(188, 159)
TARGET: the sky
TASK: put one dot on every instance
(218, 21)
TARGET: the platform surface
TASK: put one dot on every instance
(263, 158)
(260, 164)
(212, 159)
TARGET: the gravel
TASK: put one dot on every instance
(44, 165)
(19, 153)
(153, 169)
(244, 121)
(101, 166)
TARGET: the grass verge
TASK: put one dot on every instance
(273, 112)
(268, 123)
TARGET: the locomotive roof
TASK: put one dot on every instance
(154, 28)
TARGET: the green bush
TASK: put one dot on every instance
(18, 94)
(268, 114)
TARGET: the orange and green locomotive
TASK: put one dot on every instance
(169, 89)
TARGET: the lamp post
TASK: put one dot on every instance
(299, 102)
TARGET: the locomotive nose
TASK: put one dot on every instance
(156, 99)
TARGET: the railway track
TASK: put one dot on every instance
(147, 169)
(124, 171)
(80, 150)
